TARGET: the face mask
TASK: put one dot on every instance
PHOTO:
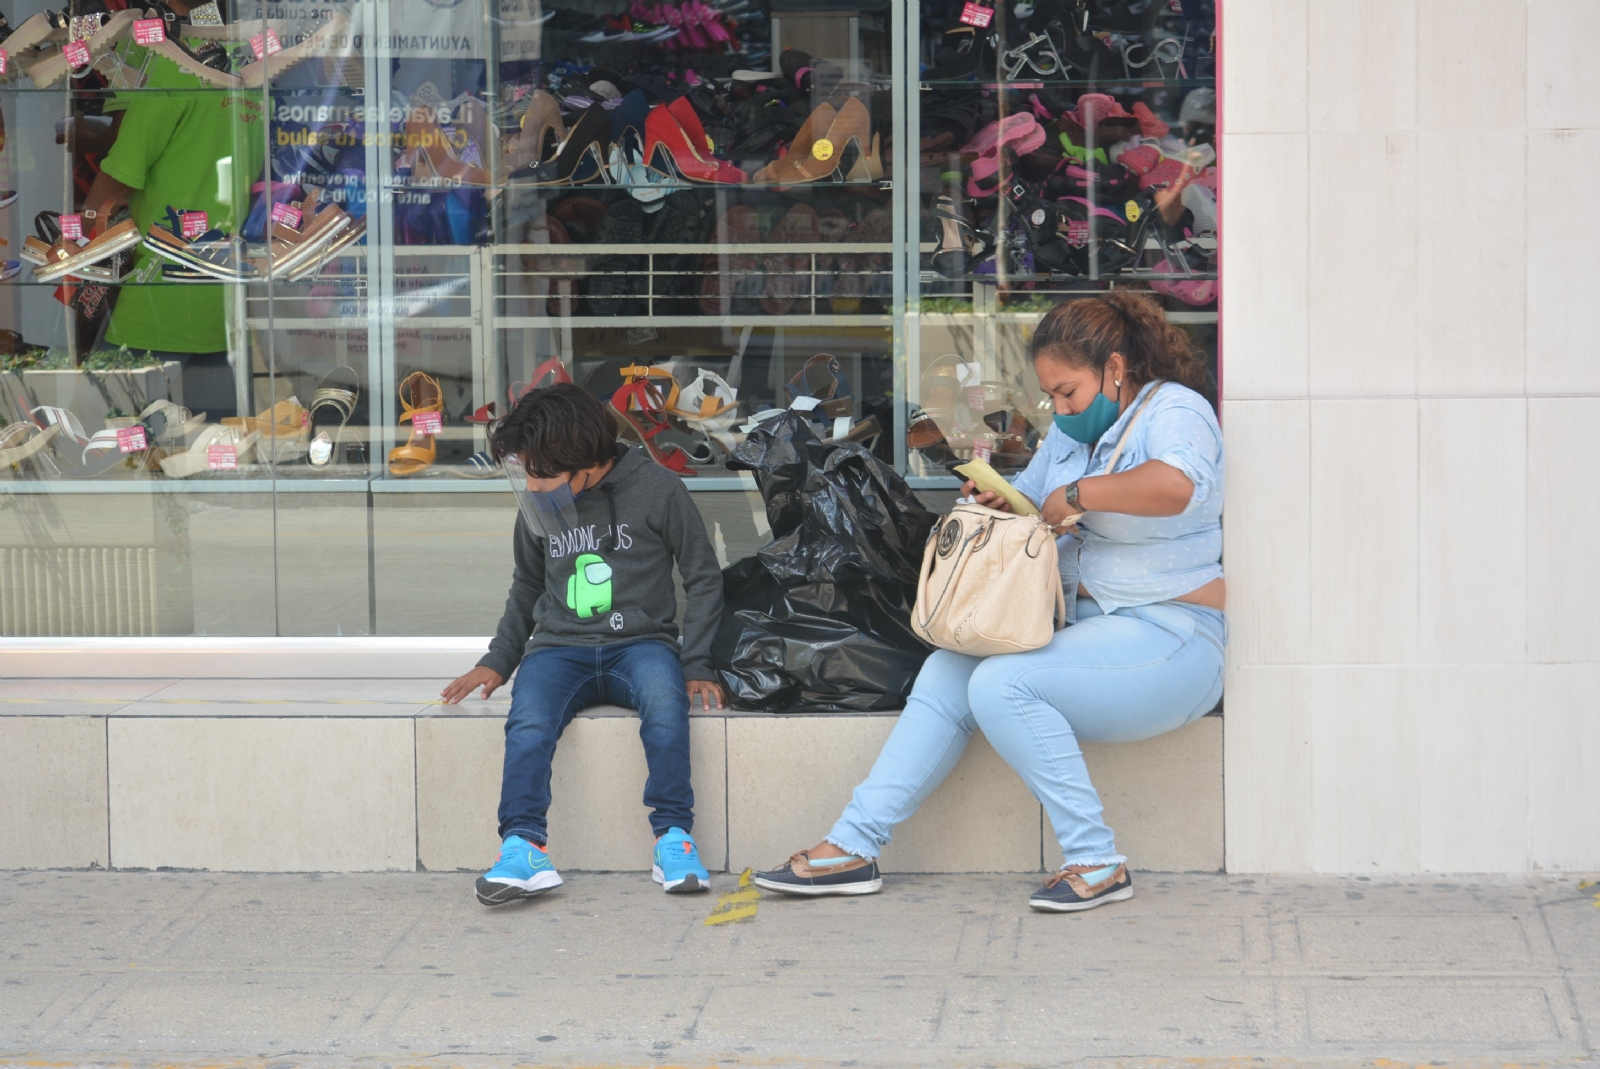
(1087, 426)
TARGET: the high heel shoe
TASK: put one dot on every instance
(784, 170)
(341, 400)
(540, 120)
(428, 141)
(959, 241)
(674, 135)
(850, 126)
(581, 158)
(419, 393)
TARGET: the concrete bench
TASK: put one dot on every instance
(305, 755)
(197, 784)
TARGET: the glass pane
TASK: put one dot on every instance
(133, 490)
(1065, 150)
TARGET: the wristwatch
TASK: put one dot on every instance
(1070, 495)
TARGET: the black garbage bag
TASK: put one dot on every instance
(821, 617)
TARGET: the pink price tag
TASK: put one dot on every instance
(149, 32)
(5, 59)
(265, 44)
(71, 226)
(982, 449)
(1078, 232)
(975, 398)
(194, 224)
(77, 54)
(977, 15)
(130, 439)
(287, 214)
(222, 457)
(428, 422)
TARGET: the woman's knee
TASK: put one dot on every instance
(942, 685)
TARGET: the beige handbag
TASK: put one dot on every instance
(990, 580)
(989, 583)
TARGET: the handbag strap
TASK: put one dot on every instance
(1116, 454)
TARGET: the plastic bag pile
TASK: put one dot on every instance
(820, 618)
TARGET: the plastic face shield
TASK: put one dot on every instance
(549, 513)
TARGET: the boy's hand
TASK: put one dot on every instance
(711, 695)
(487, 678)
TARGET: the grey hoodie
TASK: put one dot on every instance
(637, 520)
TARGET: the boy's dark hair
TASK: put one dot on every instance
(556, 430)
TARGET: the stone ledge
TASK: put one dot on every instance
(273, 793)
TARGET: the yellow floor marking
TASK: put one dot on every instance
(737, 905)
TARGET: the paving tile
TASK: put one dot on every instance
(1376, 941)
(1423, 1014)
(1217, 1016)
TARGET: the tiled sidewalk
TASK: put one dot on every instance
(406, 969)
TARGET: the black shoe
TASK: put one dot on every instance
(1065, 892)
(858, 876)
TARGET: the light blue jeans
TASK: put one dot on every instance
(1129, 675)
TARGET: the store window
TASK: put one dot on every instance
(278, 268)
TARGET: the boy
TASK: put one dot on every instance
(590, 619)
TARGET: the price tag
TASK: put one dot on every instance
(194, 224)
(221, 457)
(1078, 232)
(428, 422)
(982, 449)
(131, 439)
(975, 399)
(77, 54)
(287, 214)
(641, 335)
(71, 226)
(977, 15)
(265, 44)
(149, 32)
(5, 60)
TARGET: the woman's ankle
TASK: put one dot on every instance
(824, 850)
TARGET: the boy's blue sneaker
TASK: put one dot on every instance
(523, 871)
(677, 868)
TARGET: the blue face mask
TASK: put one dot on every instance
(1087, 426)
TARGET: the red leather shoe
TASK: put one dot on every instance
(686, 144)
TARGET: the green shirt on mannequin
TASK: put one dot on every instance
(195, 149)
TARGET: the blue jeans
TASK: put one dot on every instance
(1121, 677)
(553, 684)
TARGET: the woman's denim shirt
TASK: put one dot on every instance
(1124, 560)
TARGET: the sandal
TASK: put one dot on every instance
(342, 401)
(104, 449)
(22, 441)
(198, 457)
(480, 465)
(419, 393)
(553, 369)
(824, 381)
(708, 399)
(642, 373)
(180, 421)
(284, 428)
(638, 406)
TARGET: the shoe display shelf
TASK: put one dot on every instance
(1048, 137)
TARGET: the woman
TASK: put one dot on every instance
(1145, 653)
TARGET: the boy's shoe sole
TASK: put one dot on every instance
(498, 893)
(866, 887)
(688, 885)
(1044, 906)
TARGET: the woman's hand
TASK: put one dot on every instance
(1057, 513)
(988, 499)
(711, 695)
(487, 678)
